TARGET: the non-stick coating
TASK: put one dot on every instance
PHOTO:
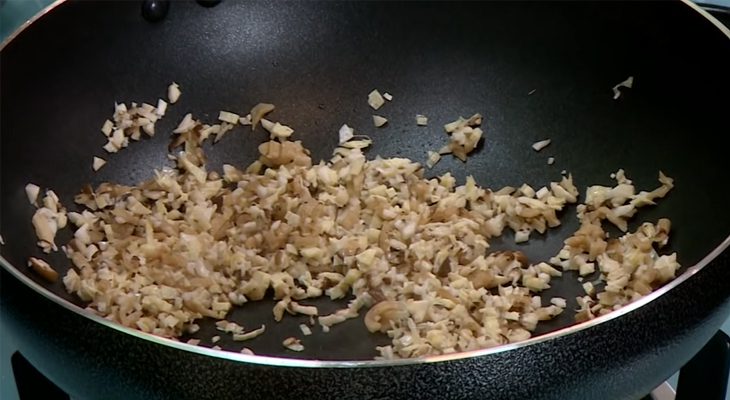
(318, 61)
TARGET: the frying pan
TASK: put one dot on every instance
(317, 61)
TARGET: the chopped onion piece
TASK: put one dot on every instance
(97, 163)
(186, 124)
(110, 148)
(32, 191)
(149, 129)
(161, 107)
(173, 93)
(240, 337)
(421, 120)
(388, 96)
(551, 160)
(522, 236)
(277, 130)
(375, 100)
(628, 83)
(306, 330)
(293, 344)
(346, 133)
(379, 121)
(107, 128)
(558, 302)
(433, 158)
(541, 144)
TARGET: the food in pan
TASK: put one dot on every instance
(411, 252)
(464, 136)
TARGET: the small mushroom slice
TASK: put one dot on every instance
(259, 111)
(43, 269)
(379, 317)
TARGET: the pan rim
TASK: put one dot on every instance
(327, 364)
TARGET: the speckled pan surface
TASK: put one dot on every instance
(318, 61)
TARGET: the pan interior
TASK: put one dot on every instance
(318, 61)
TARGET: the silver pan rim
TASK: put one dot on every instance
(308, 363)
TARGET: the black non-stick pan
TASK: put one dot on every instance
(534, 70)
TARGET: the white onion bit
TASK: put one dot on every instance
(97, 163)
(346, 133)
(379, 121)
(229, 117)
(32, 191)
(375, 99)
(173, 93)
(628, 83)
(539, 145)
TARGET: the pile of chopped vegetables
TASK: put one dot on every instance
(412, 252)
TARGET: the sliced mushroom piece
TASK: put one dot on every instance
(381, 315)
(259, 111)
(43, 269)
(45, 224)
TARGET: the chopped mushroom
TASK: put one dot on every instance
(277, 130)
(259, 111)
(46, 225)
(129, 123)
(173, 93)
(43, 269)
(97, 163)
(375, 100)
(192, 243)
(465, 135)
(379, 121)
